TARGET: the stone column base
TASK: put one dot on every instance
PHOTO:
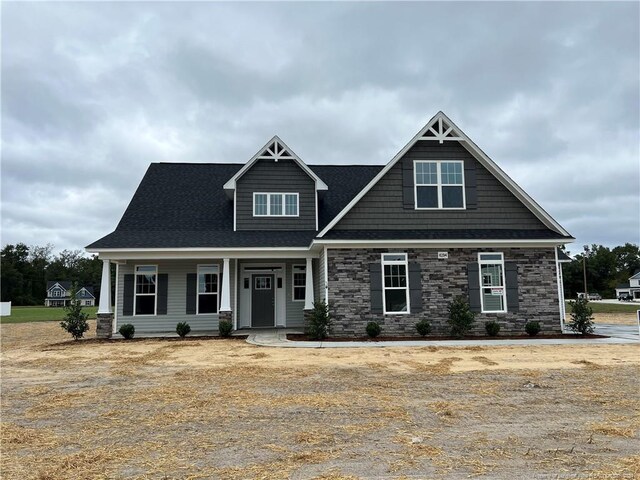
(307, 317)
(104, 325)
(225, 316)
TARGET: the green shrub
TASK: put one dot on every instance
(182, 329)
(423, 327)
(581, 316)
(461, 318)
(492, 328)
(75, 320)
(225, 327)
(320, 321)
(532, 328)
(127, 330)
(373, 329)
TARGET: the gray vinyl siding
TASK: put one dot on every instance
(268, 176)
(382, 206)
(295, 310)
(176, 271)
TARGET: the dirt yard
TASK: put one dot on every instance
(224, 409)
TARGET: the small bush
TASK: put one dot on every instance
(492, 328)
(127, 330)
(182, 329)
(75, 320)
(320, 321)
(532, 328)
(581, 316)
(423, 327)
(225, 327)
(373, 329)
(461, 318)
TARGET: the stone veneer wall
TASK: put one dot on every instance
(442, 280)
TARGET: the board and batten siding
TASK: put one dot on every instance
(382, 207)
(268, 176)
(176, 271)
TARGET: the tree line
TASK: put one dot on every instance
(605, 268)
(26, 270)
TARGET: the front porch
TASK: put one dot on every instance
(154, 295)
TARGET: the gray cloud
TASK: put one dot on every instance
(92, 93)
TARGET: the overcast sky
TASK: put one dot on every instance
(92, 93)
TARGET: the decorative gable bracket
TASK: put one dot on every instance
(440, 130)
(275, 149)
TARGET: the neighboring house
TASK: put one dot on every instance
(257, 243)
(632, 287)
(59, 295)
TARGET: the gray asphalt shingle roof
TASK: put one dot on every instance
(180, 205)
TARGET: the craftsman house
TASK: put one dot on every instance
(59, 295)
(257, 243)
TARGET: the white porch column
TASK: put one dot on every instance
(225, 299)
(105, 288)
(308, 288)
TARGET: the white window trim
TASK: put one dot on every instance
(504, 280)
(210, 293)
(293, 285)
(284, 205)
(404, 262)
(439, 185)
(136, 294)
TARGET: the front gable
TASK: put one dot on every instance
(84, 293)
(56, 290)
(275, 190)
(479, 193)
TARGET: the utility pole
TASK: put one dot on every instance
(584, 269)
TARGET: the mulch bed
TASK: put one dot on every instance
(142, 339)
(305, 338)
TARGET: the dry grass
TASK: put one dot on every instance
(225, 409)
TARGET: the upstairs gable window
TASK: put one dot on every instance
(275, 204)
(439, 184)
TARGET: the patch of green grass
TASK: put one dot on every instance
(41, 314)
(598, 307)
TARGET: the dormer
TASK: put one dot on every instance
(275, 190)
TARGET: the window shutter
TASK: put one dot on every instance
(471, 191)
(415, 287)
(375, 282)
(473, 274)
(407, 184)
(163, 286)
(127, 295)
(511, 278)
(192, 279)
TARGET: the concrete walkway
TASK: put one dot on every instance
(619, 334)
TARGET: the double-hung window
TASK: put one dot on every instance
(145, 297)
(207, 289)
(56, 292)
(439, 184)
(275, 204)
(299, 282)
(395, 285)
(492, 282)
